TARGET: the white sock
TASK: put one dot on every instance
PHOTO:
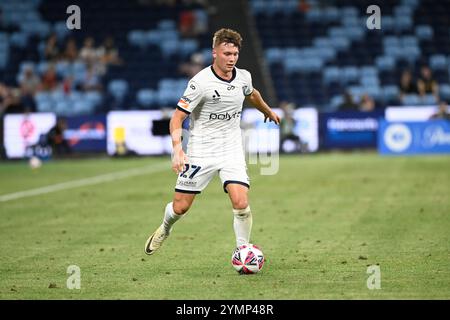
(170, 217)
(242, 225)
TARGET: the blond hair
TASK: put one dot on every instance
(227, 36)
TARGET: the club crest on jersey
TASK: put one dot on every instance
(216, 97)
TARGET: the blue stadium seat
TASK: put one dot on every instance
(93, 97)
(274, 55)
(82, 107)
(167, 24)
(411, 100)
(429, 100)
(438, 62)
(187, 47)
(340, 43)
(146, 97)
(137, 38)
(63, 108)
(335, 102)
(387, 23)
(60, 29)
(118, 88)
(390, 92)
(401, 11)
(444, 92)
(350, 73)
(424, 32)
(19, 39)
(403, 23)
(331, 74)
(370, 81)
(330, 14)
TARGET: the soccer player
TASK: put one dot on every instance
(213, 99)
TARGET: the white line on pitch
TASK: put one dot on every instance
(108, 177)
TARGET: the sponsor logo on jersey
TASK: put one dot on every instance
(187, 183)
(184, 102)
(216, 97)
(224, 116)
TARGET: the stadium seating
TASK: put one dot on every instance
(314, 53)
(350, 56)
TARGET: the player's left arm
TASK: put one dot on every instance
(256, 100)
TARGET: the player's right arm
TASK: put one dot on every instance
(191, 98)
(178, 158)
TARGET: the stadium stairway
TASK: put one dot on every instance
(236, 15)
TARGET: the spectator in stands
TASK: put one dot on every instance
(68, 84)
(49, 79)
(51, 52)
(289, 141)
(407, 85)
(303, 6)
(427, 84)
(108, 54)
(92, 79)
(10, 101)
(187, 23)
(29, 85)
(442, 112)
(88, 53)
(70, 53)
(367, 103)
(348, 104)
(194, 66)
(56, 138)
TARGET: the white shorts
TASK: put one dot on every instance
(198, 173)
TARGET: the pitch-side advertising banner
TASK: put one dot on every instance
(265, 137)
(86, 133)
(130, 132)
(23, 130)
(406, 138)
(349, 129)
(410, 114)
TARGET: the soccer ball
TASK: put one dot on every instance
(35, 162)
(247, 259)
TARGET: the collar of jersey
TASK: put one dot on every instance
(220, 78)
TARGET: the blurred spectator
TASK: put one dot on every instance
(92, 79)
(194, 66)
(187, 23)
(108, 54)
(426, 83)
(10, 101)
(289, 141)
(56, 138)
(367, 104)
(88, 53)
(49, 79)
(348, 104)
(407, 85)
(442, 112)
(68, 84)
(303, 6)
(70, 53)
(51, 51)
(29, 85)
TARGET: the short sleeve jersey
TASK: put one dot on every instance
(215, 106)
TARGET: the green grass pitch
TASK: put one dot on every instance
(321, 222)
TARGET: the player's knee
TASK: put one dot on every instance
(181, 207)
(240, 204)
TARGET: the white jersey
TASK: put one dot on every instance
(215, 107)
